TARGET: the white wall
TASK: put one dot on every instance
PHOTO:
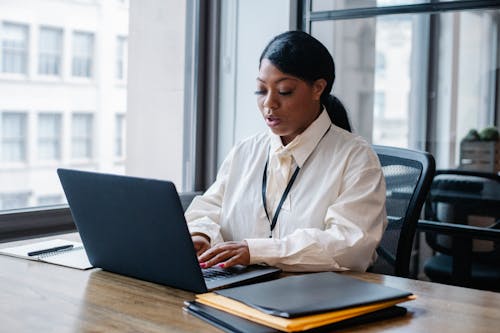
(156, 89)
(246, 29)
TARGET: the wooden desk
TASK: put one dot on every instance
(40, 297)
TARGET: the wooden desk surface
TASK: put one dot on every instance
(40, 297)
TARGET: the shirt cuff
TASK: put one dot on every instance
(207, 227)
(264, 250)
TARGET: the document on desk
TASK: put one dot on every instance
(302, 302)
(57, 251)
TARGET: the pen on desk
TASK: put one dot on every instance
(52, 249)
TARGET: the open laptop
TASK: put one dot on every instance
(136, 227)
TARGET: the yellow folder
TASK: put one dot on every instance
(295, 324)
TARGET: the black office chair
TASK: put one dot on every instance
(408, 175)
(187, 197)
(463, 228)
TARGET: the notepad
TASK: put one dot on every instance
(75, 257)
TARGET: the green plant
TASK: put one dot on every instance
(489, 134)
(473, 135)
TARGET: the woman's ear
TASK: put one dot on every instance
(318, 88)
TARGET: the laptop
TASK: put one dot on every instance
(136, 227)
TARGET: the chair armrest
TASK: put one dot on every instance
(459, 230)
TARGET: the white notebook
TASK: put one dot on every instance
(74, 257)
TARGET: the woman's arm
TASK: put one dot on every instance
(353, 227)
(203, 214)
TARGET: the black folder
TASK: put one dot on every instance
(234, 324)
(308, 294)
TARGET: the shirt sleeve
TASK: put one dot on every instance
(353, 228)
(203, 214)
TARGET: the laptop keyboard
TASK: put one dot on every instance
(211, 274)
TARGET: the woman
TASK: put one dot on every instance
(309, 195)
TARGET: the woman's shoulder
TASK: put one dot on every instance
(350, 144)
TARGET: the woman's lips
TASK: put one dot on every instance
(272, 121)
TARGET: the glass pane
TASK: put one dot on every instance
(468, 79)
(383, 66)
(49, 136)
(83, 50)
(322, 5)
(50, 51)
(13, 136)
(14, 48)
(373, 67)
(49, 118)
(81, 136)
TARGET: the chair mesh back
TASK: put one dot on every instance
(401, 176)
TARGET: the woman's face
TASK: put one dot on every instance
(288, 104)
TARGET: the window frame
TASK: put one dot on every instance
(23, 142)
(25, 52)
(88, 58)
(306, 17)
(201, 40)
(54, 54)
(55, 138)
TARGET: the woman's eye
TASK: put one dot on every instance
(260, 92)
(284, 93)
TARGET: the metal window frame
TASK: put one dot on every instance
(201, 99)
(35, 222)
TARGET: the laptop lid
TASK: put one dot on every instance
(136, 227)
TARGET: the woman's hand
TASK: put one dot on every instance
(201, 243)
(225, 255)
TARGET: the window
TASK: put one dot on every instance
(120, 135)
(14, 48)
(14, 137)
(81, 136)
(402, 67)
(87, 108)
(49, 136)
(121, 61)
(50, 51)
(14, 200)
(50, 199)
(83, 51)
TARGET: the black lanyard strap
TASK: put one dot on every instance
(283, 197)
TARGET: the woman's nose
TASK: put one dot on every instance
(270, 101)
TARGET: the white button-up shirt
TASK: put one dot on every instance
(332, 219)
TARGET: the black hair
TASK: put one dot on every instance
(299, 54)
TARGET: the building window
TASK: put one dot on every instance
(83, 51)
(51, 199)
(13, 136)
(50, 51)
(14, 200)
(81, 136)
(49, 136)
(14, 48)
(121, 55)
(120, 135)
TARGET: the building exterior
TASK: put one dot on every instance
(62, 94)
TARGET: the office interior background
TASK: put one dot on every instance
(163, 89)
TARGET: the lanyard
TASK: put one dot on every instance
(283, 197)
(287, 189)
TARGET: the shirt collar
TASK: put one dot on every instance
(303, 145)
